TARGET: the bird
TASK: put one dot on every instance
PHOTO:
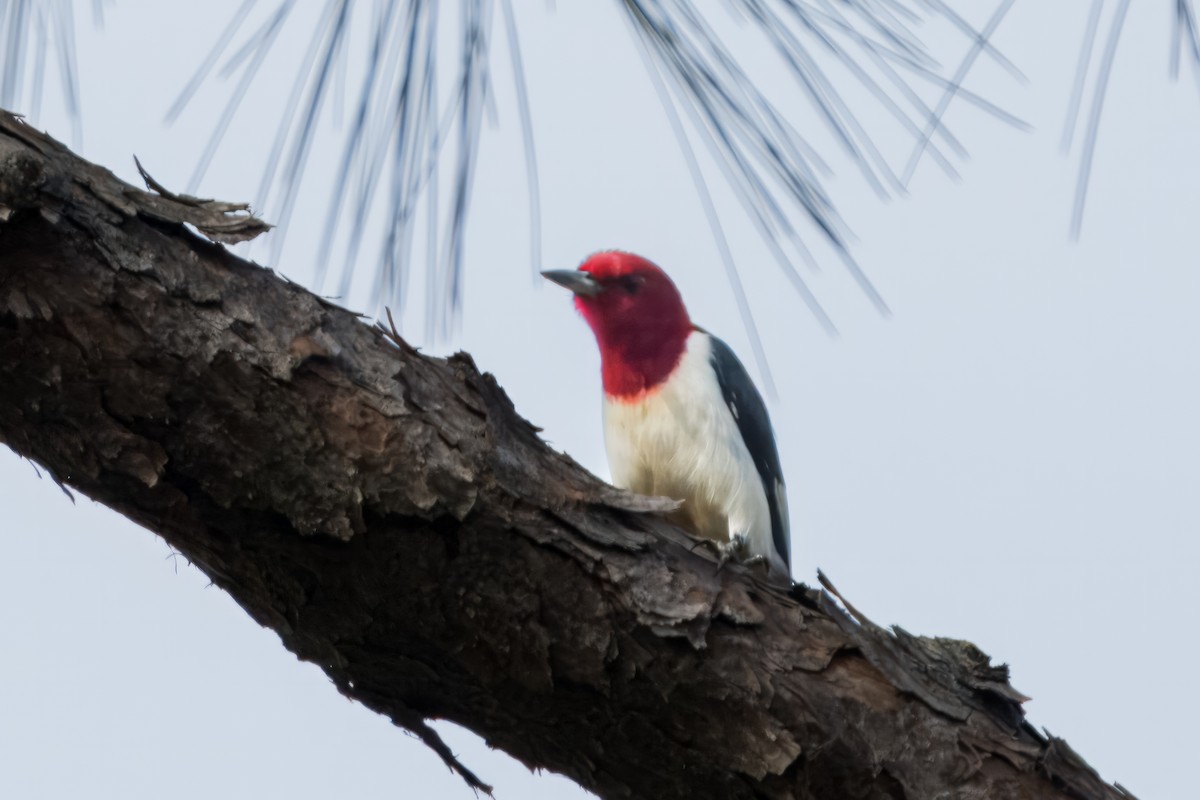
(682, 417)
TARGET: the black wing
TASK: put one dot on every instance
(747, 407)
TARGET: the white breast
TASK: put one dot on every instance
(682, 442)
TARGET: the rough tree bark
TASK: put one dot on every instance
(394, 520)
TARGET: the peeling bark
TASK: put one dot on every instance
(396, 522)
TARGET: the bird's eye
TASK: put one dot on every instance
(632, 283)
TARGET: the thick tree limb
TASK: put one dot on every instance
(397, 523)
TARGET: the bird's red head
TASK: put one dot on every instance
(638, 318)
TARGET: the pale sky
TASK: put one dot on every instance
(1011, 458)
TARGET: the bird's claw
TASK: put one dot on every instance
(735, 550)
(724, 551)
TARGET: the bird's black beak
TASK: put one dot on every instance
(578, 282)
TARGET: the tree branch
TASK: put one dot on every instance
(395, 521)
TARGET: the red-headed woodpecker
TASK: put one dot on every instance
(682, 419)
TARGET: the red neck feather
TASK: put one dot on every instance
(636, 359)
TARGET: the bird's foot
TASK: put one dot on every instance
(737, 550)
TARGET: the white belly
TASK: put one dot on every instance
(681, 442)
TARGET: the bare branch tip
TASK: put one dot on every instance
(421, 729)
